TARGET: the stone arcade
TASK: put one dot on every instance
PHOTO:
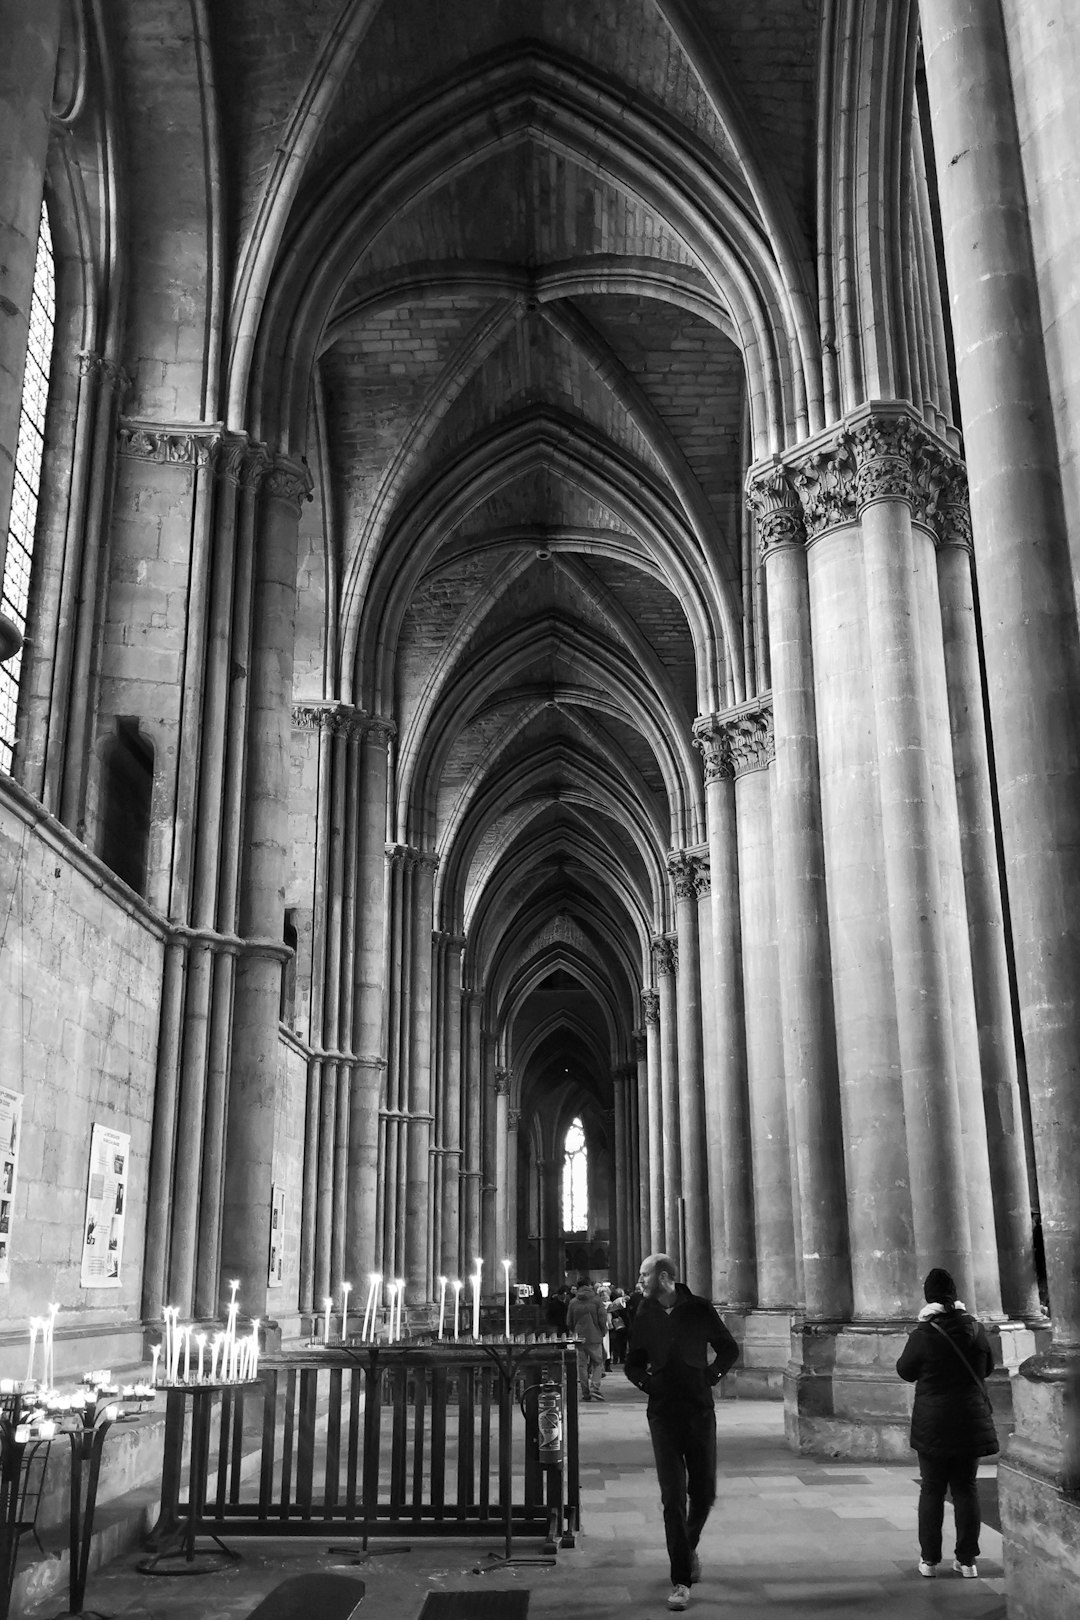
(552, 595)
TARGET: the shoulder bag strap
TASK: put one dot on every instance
(966, 1364)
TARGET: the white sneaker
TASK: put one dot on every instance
(968, 1571)
(929, 1570)
(680, 1597)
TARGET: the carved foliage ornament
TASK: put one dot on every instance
(689, 875)
(650, 1007)
(666, 953)
(777, 513)
(181, 447)
(716, 752)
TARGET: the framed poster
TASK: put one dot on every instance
(277, 1233)
(106, 1201)
(11, 1105)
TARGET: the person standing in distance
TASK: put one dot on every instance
(668, 1357)
(947, 1358)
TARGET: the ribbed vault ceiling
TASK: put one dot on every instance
(528, 417)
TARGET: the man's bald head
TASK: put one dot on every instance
(659, 1274)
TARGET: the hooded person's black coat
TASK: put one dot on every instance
(951, 1417)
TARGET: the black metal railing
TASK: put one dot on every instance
(412, 1439)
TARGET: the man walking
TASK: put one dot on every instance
(668, 1358)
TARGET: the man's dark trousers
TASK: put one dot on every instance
(684, 1445)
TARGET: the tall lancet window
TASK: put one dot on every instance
(24, 494)
(575, 1183)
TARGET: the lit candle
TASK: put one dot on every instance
(457, 1307)
(253, 1362)
(215, 1346)
(200, 1340)
(187, 1355)
(48, 1345)
(400, 1303)
(369, 1307)
(155, 1352)
(46, 1429)
(327, 1303)
(233, 1286)
(442, 1304)
(506, 1296)
(476, 1300)
(111, 1413)
(35, 1323)
(346, 1290)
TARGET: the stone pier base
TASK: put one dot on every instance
(842, 1397)
(1039, 1491)
(765, 1342)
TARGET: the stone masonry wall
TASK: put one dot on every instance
(80, 976)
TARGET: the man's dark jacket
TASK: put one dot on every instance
(668, 1352)
(950, 1416)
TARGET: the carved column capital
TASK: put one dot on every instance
(178, 444)
(688, 870)
(502, 1082)
(108, 372)
(772, 498)
(825, 484)
(336, 719)
(744, 736)
(513, 1118)
(289, 482)
(883, 447)
(665, 953)
(650, 1009)
(712, 741)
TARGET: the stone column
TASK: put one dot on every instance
(470, 1235)
(550, 1172)
(1009, 1185)
(453, 1161)
(894, 554)
(1028, 606)
(734, 1268)
(31, 36)
(666, 962)
(751, 744)
(802, 929)
(642, 1230)
(254, 1079)
(686, 869)
(513, 1243)
(714, 1165)
(621, 1167)
(653, 1237)
(501, 1177)
(875, 1158)
(418, 1287)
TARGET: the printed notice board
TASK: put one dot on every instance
(11, 1105)
(106, 1200)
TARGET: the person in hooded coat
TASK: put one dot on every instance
(947, 1357)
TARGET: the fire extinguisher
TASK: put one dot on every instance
(549, 1419)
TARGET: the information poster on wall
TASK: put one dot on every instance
(106, 1197)
(11, 1104)
(277, 1232)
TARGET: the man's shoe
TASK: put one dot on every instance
(680, 1597)
(695, 1569)
(929, 1570)
(596, 1395)
(586, 1397)
(968, 1571)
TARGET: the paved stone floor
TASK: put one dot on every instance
(790, 1537)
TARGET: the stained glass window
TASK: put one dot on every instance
(24, 494)
(575, 1196)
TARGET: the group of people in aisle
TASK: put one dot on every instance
(676, 1349)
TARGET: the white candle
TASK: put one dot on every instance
(442, 1304)
(200, 1340)
(327, 1303)
(187, 1355)
(391, 1289)
(215, 1346)
(506, 1296)
(35, 1323)
(111, 1414)
(253, 1362)
(400, 1303)
(233, 1286)
(476, 1300)
(369, 1308)
(457, 1307)
(48, 1346)
(346, 1290)
(155, 1352)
